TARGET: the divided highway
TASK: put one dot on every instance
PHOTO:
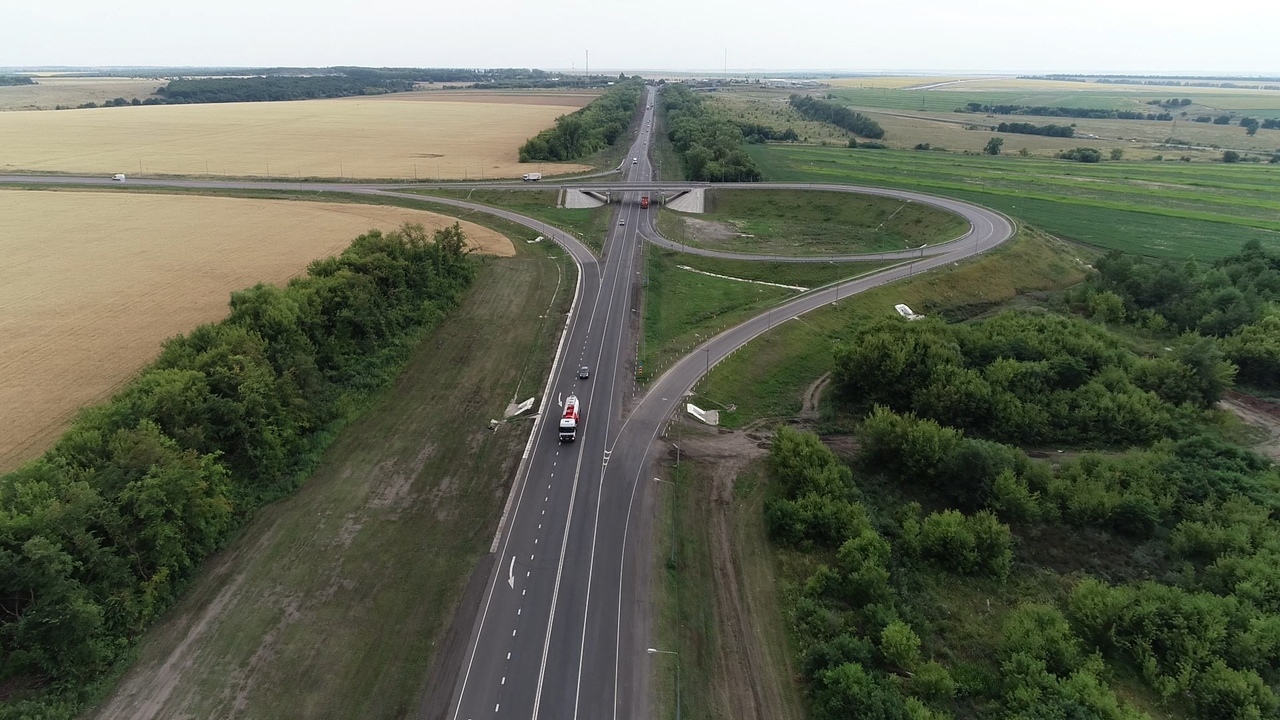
(562, 629)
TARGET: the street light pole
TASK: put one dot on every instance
(655, 651)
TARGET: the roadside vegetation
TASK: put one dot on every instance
(326, 604)
(941, 564)
(709, 142)
(589, 130)
(9, 80)
(780, 222)
(100, 535)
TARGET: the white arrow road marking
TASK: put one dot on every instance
(511, 573)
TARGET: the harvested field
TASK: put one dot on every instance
(94, 282)
(51, 91)
(426, 135)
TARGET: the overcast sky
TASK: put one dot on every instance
(1005, 36)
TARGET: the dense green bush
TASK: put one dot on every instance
(99, 535)
(585, 131)
(1028, 379)
(707, 139)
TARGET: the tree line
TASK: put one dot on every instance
(708, 141)
(1059, 111)
(276, 88)
(591, 129)
(9, 80)
(100, 534)
(1063, 131)
(761, 133)
(812, 108)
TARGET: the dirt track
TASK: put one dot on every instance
(747, 681)
(1261, 414)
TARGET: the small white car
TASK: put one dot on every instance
(634, 160)
(623, 221)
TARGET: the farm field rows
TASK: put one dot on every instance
(95, 281)
(424, 135)
(1162, 209)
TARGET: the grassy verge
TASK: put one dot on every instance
(1160, 209)
(666, 161)
(331, 602)
(590, 225)
(717, 602)
(808, 223)
(682, 308)
(767, 377)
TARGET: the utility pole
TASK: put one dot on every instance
(588, 52)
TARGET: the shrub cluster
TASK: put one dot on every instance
(813, 108)
(585, 131)
(1063, 131)
(1080, 154)
(1028, 378)
(99, 534)
(708, 141)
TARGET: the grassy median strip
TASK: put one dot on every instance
(683, 308)
(331, 602)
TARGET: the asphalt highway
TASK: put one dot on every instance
(562, 629)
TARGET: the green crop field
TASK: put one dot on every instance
(334, 602)
(1167, 209)
(810, 223)
(1261, 103)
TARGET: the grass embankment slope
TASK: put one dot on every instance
(782, 222)
(101, 279)
(589, 225)
(1170, 210)
(335, 601)
(721, 604)
(398, 136)
(684, 306)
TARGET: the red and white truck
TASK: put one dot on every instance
(644, 202)
(569, 421)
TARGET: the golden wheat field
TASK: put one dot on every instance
(422, 135)
(95, 281)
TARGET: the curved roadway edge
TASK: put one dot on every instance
(634, 448)
(611, 672)
(955, 207)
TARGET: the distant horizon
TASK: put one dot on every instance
(839, 72)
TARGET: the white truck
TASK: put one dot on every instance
(118, 177)
(532, 177)
(569, 421)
